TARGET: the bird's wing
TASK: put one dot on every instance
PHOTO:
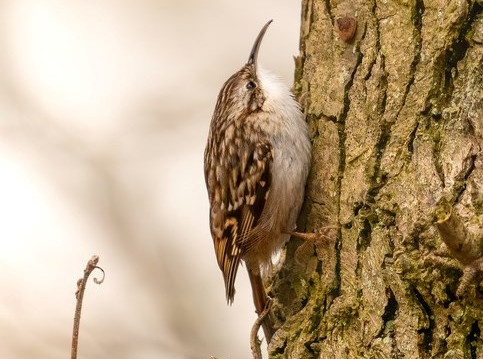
(238, 185)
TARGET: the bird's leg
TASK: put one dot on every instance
(261, 299)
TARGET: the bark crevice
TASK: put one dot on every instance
(427, 325)
(394, 121)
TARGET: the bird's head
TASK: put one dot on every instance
(243, 93)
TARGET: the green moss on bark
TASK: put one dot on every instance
(395, 122)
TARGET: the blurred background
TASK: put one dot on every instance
(104, 111)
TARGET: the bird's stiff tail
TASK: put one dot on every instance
(260, 299)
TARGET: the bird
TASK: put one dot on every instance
(256, 162)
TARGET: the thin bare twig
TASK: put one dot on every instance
(79, 294)
(254, 341)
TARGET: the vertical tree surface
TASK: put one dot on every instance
(395, 118)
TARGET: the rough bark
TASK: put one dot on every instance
(395, 119)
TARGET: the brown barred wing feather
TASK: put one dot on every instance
(237, 200)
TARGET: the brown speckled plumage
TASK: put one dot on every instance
(256, 163)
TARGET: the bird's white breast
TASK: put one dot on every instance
(288, 135)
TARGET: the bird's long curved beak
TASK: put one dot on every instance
(252, 60)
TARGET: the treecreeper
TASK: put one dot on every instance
(256, 163)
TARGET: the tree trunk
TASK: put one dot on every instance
(395, 118)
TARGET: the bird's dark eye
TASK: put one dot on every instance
(250, 85)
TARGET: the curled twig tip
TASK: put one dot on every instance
(99, 281)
